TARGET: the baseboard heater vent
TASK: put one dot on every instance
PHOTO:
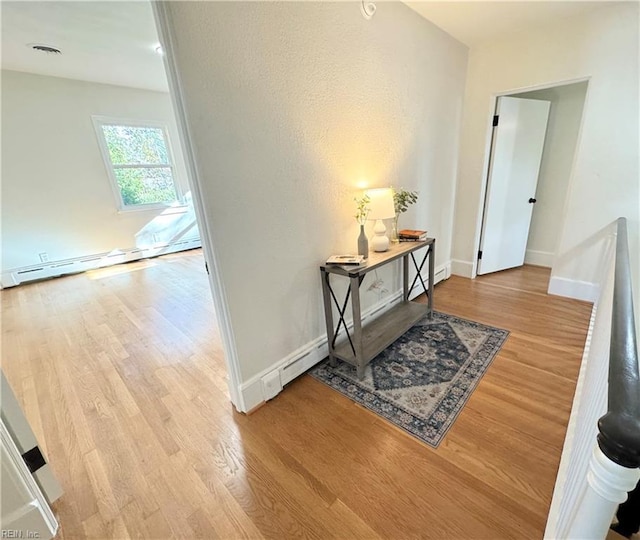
(16, 276)
(298, 366)
(30, 270)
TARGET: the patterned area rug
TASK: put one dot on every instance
(422, 381)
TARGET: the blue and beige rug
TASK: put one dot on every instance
(422, 381)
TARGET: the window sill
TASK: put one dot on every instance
(167, 209)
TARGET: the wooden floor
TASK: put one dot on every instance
(121, 375)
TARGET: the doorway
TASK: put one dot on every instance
(538, 245)
(109, 362)
(98, 168)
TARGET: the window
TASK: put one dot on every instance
(139, 163)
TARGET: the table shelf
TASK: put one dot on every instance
(383, 331)
(365, 342)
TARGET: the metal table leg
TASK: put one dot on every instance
(432, 265)
(357, 326)
(328, 315)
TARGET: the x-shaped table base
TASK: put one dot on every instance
(342, 308)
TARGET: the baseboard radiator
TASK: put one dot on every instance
(17, 276)
(601, 456)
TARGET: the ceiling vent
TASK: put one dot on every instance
(44, 48)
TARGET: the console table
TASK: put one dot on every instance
(365, 342)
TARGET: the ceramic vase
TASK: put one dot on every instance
(363, 243)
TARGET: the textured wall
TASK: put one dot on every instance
(292, 106)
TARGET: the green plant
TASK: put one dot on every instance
(362, 210)
(402, 199)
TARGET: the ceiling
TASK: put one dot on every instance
(114, 42)
(107, 42)
(475, 22)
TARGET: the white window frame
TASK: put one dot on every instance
(98, 122)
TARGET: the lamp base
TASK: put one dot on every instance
(379, 242)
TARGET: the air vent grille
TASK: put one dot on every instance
(46, 49)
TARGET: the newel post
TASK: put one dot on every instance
(607, 486)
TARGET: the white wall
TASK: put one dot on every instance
(565, 116)
(56, 195)
(601, 44)
(291, 106)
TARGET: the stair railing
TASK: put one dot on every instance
(601, 460)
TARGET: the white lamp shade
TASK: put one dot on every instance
(381, 203)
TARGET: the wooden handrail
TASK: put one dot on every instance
(619, 428)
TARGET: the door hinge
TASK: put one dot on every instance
(495, 120)
(479, 254)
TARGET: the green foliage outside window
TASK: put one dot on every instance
(145, 186)
(129, 146)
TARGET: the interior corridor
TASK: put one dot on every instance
(121, 375)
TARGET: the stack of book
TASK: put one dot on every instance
(346, 259)
(411, 235)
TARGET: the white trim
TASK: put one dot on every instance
(23, 274)
(544, 86)
(572, 288)
(24, 439)
(308, 355)
(462, 268)
(98, 122)
(34, 515)
(49, 485)
(121, 121)
(144, 207)
(487, 153)
(538, 258)
(165, 34)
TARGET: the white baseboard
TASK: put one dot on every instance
(538, 258)
(302, 359)
(462, 268)
(16, 276)
(571, 288)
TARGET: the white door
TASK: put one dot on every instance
(24, 439)
(516, 152)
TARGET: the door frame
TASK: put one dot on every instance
(34, 514)
(230, 353)
(493, 103)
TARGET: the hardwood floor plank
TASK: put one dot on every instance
(101, 486)
(121, 373)
(96, 527)
(173, 507)
(134, 522)
(157, 526)
(32, 411)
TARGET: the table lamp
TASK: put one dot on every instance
(381, 207)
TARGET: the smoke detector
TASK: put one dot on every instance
(44, 48)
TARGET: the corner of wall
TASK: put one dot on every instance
(462, 268)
